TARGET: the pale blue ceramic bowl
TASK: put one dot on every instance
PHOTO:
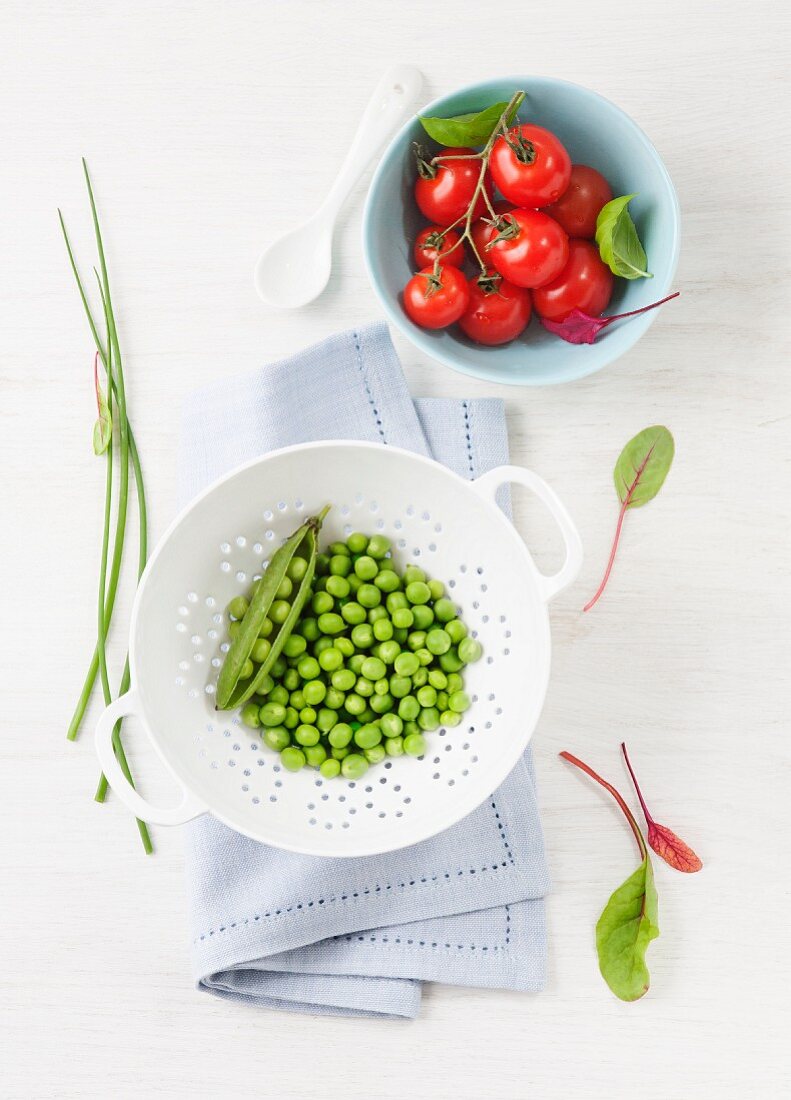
(595, 132)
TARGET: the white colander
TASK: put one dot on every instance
(450, 527)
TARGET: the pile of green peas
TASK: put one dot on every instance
(373, 663)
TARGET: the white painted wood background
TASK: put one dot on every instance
(192, 115)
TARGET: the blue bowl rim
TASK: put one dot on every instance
(397, 317)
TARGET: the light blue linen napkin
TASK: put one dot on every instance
(359, 936)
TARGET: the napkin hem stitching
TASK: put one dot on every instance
(367, 384)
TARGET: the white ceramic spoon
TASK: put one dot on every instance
(295, 269)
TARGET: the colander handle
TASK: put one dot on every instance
(189, 806)
(488, 484)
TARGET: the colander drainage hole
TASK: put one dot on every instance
(273, 798)
(225, 566)
(344, 824)
(245, 787)
(435, 775)
(312, 821)
(369, 805)
(225, 547)
(352, 811)
(327, 824)
(256, 800)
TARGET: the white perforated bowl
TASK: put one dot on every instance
(450, 527)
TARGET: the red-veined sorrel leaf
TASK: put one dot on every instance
(103, 428)
(640, 472)
(664, 841)
(580, 328)
(630, 919)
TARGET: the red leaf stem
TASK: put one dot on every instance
(616, 795)
(673, 850)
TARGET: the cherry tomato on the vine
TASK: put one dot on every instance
(483, 230)
(584, 283)
(531, 167)
(447, 195)
(434, 241)
(532, 249)
(436, 301)
(498, 311)
(578, 207)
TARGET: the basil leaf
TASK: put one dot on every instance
(103, 428)
(619, 245)
(474, 129)
(643, 465)
(623, 932)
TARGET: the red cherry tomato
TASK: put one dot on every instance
(534, 169)
(584, 283)
(445, 198)
(534, 251)
(436, 301)
(483, 231)
(578, 207)
(435, 240)
(497, 311)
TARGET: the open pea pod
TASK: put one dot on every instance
(231, 691)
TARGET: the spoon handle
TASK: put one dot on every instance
(394, 96)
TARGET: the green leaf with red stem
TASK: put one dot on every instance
(664, 841)
(630, 919)
(640, 473)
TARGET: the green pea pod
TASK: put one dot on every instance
(230, 692)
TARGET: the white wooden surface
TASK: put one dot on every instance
(192, 116)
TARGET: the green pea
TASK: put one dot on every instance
(338, 587)
(334, 699)
(297, 568)
(297, 700)
(420, 677)
(234, 629)
(413, 573)
(353, 613)
(247, 670)
(279, 611)
(456, 630)
(238, 606)
(344, 679)
(354, 766)
(396, 601)
(449, 662)
(381, 702)
(306, 735)
(366, 568)
(330, 623)
(416, 640)
(357, 543)
(394, 746)
(415, 744)
(367, 735)
(400, 635)
(345, 646)
(427, 696)
(291, 720)
(363, 636)
(423, 617)
(459, 701)
(354, 583)
(375, 614)
(373, 668)
(322, 564)
(417, 592)
(330, 768)
(383, 628)
(340, 735)
(330, 659)
(321, 644)
(355, 704)
(278, 694)
(402, 618)
(408, 708)
(391, 725)
(455, 682)
(411, 727)
(249, 716)
(278, 668)
(425, 656)
(285, 588)
(314, 692)
(291, 680)
(444, 610)
(315, 755)
(375, 755)
(442, 700)
(265, 685)
(339, 754)
(437, 678)
(292, 758)
(400, 686)
(266, 627)
(355, 663)
(260, 651)
(339, 548)
(294, 645)
(406, 664)
(388, 651)
(364, 687)
(321, 603)
(309, 629)
(369, 595)
(340, 565)
(470, 650)
(272, 714)
(276, 737)
(326, 719)
(368, 715)
(308, 715)
(449, 718)
(386, 565)
(437, 589)
(428, 719)
(308, 668)
(378, 546)
(387, 581)
(438, 641)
